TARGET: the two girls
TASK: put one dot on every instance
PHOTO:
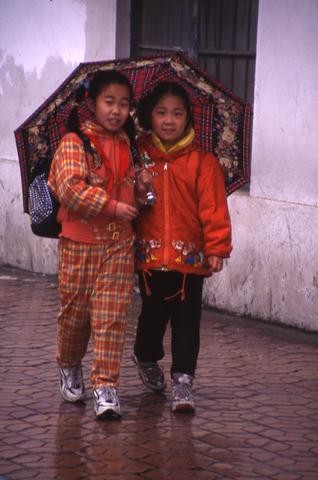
(181, 239)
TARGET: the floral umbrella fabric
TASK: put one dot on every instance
(222, 119)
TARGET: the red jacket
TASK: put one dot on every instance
(190, 219)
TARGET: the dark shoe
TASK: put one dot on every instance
(151, 374)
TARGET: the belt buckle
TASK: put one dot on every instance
(115, 235)
(111, 226)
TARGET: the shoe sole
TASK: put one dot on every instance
(150, 387)
(183, 408)
(73, 400)
(109, 414)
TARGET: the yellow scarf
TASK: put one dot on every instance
(182, 143)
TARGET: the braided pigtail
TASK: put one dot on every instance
(129, 128)
(73, 123)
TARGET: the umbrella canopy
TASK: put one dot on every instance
(222, 119)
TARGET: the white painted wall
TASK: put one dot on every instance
(41, 42)
(285, 139)
(273, 271)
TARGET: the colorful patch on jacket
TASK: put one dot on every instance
(145, 248)
(187, 254)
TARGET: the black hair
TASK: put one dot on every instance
(148, 103)
(92, 89)
(103, 78)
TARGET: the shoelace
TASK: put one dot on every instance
(154, 373)
(76, 377)
(108, 394)
(182, 391)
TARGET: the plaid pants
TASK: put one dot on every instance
(95, 285)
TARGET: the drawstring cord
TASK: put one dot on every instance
(147, 288)
(149, 292)
(182, 291)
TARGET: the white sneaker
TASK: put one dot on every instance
(181, 395)
(106, 402)
(71, 383)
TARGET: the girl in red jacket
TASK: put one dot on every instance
(181, 238)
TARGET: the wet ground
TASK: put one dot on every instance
(256, 396)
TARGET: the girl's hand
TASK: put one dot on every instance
(124, 211)
(216, 264)
(143, 179)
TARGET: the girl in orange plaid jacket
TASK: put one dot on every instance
(94, 186)
(181, 239)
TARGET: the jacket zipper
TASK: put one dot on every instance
(166, 216)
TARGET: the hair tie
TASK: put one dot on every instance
(85, 84)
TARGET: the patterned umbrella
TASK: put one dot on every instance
(222, 119)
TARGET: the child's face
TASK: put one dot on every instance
(111, 107)
(169, 119)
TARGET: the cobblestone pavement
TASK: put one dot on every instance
(256, 395)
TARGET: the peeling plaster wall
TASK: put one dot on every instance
(41, 42)
(273, 271)
(286, 102)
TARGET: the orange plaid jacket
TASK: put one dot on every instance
(82, 188)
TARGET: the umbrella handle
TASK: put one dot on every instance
(143, 181)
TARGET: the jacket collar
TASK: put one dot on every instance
(186, 140)
(93, 129)
(147, 144)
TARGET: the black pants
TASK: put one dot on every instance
(184, 317)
